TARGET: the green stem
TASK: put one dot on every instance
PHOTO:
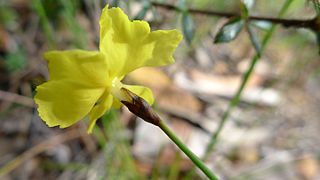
(187, 151)
(236, 99)
(44, 21)
(142, 109)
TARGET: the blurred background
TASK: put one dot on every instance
(273, 132)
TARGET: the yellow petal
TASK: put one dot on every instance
(99, 110)
(88, 68)
(62, 103)
(116, 21)
(141, 91)
(165, 43)
(130, 45)
(116, 103)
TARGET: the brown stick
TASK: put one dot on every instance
(15, 98)
(297, 23)
(39, 148)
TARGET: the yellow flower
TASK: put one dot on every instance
(88, 82)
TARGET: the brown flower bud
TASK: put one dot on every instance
(140, 107)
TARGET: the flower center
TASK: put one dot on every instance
(116, 90)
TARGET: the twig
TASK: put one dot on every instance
(12, 97)
(297, 23)
(189, 117)
(39, 148)
(236, 98)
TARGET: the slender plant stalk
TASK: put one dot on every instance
(187, 151)
(236, 99)
(175, 167)
(142, 109)
(39, 9)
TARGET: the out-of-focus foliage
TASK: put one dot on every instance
(7, 17)
(187, 26)
(186, 21)
(263, 25)
(118, 162)
(316, 5)
(146, 5)
(16, 61)
(254, 39)
(69, 14)
(44, 21)
(230, 30)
